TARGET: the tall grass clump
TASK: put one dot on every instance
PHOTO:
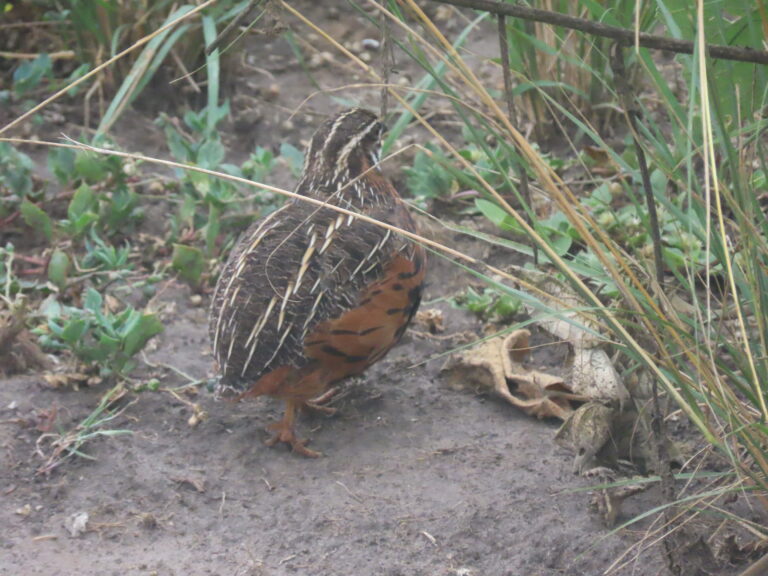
(699, 331)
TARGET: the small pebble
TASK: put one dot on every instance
(272, 92)
(319, 58)
(371, 44)
(76, 524)
(195, 300)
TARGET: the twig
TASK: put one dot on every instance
(622, 35)
(521, 171)
(61, 55)
(386, 61)
(34, 24)
(348, 491)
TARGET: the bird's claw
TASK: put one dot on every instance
(286, 434)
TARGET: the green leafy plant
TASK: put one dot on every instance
(32, 76)
(189, 262)
(95, 335)
(489, 304)
(37, 219)
(206, 200)
(16, 181)
(30, 73)
(103, 199)
(81, 212)
(430, 176)
(104, 257)
(203, 197)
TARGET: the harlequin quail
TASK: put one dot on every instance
(310, 296)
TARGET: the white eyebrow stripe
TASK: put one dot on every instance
(354, 142)
(336, 125)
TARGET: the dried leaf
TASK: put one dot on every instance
(430, 320)
(594, 376)
(593, 373)
(65, 379)
(599, 155)
(197, 483)
(586, 432)
(495, 367)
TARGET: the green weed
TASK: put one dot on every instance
(96, 335)
(57, 447)
(16, 182)
(489, 305)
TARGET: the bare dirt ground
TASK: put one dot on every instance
(416, 478)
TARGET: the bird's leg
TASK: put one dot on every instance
(284, 431)
(318, 403)
(268, 384)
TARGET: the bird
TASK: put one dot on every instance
(310, 296)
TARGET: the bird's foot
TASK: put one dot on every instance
(285, 433)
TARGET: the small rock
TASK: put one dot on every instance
(316, 60)
(76, 524)
(273, 92)
(371, 44)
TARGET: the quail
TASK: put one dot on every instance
(310, 296)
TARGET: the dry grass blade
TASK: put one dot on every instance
(55, 448)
